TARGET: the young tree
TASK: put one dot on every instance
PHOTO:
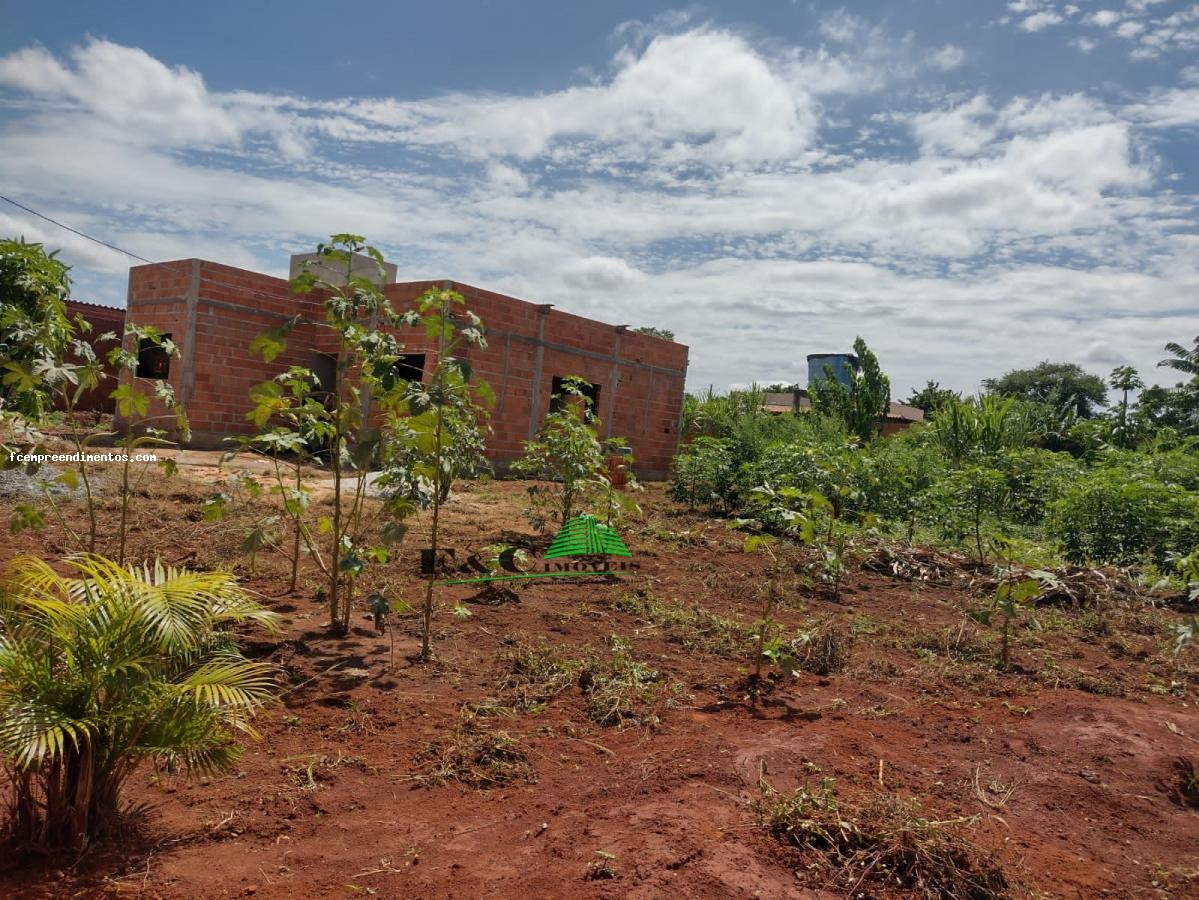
(932, 398)
(133, 406)
(567, 456)
(1181, 359)
(654, 331)
(863, 402)
(66, 382)
(439, 424)
(1124, 379)
(965, 498)
(365, 365)
(293, 425)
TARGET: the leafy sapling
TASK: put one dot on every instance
(337, 416)
(133, 408)
(438, 426)
(1013, 597)
(769, 643)
(567, 461)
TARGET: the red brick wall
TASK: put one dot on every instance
(231, 306)
(103, 319)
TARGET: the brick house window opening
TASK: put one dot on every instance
(324, 368)
(411, 367)
(559, 396)
(152, 360)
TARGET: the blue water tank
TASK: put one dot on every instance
(841, 363)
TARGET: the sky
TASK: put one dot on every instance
(971, 187)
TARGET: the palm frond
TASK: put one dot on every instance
(238, 685)
(32, 732)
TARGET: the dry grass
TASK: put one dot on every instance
(621, 691)
(824, 649)
(476, 757)
(537, 674)
(882, 840)
(692, 627)
(617, 688)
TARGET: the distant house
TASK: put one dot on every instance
(899, 416)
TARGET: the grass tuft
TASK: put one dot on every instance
(479, 758)
(883, 840)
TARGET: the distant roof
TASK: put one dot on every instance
(73, 302)
(779, 402)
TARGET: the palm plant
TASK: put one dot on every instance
(1183, 360)
(109, 666)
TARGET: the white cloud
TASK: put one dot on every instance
(947, 58)
(959, 131)
(1040, 20)
(599, 273)
(1151, 32)
(128, 90)
(1172, 108)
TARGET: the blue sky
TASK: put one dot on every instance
(971, 187)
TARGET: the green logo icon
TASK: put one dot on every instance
(585, 535)
(583, 547)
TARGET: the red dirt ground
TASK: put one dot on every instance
(329, 802)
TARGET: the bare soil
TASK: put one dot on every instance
(470, 777)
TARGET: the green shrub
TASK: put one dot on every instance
(1035, 479)
(706, 476)
(1113, 516)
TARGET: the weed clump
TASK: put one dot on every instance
(957, 643)
(617, 688)
(883, 839)
(693, 627)
(620, 690)
(824, 649)
(535, 675)
(479, 758)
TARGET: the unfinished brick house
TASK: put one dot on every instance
(213, 311)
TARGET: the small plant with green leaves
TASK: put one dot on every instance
(133, 409)
(111, 665)
(964, 501)
(383, 609)
(770, 644)
(1182, 635)
(1013, 597)
(35, 328)
(567, 460)
(435, 434)
(366, 364)
(242, 490)
(64, 381)
(293, 429)
(1186, 569)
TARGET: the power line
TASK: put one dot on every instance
(34, 212)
